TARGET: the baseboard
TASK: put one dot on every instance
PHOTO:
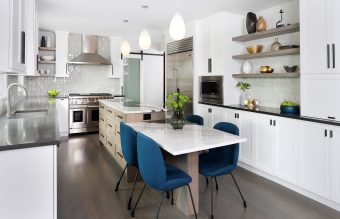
(290, 186)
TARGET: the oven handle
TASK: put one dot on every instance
(93, 107)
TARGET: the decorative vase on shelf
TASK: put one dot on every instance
(246, 67)
(261, 24)
(276, 45)
(251, 22)
(177, 121)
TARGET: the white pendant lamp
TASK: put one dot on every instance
(144, 40)
(125, 47)
(177, 27)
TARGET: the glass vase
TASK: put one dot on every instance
(243, 97)
(177, 121)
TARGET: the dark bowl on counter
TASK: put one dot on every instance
(290, 69)
(290, 110)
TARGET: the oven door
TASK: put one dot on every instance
(92, 119)
(78, 118)
(211, 89)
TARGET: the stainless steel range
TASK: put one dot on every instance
(84, 111)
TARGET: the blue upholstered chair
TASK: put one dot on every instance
(221, 161)
(195, 119)
(156, 173)
(128, 139)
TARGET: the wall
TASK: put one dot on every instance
(83, 79)
(271, 92)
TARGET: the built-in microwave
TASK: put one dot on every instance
(211, 89)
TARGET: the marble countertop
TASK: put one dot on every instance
(192, 138)
(128, 106)
(17, 133)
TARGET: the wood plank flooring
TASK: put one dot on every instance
(87, 176)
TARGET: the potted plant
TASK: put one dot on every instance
(177, 101)
(243, 86)
(290, 107)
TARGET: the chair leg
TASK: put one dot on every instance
(207, 180)
(212, 199)
(216, 183)
(120, 178)
(140, 195)
(160, 204)
(133, 189)
(192, 201)
(172, 197)
(244, 202)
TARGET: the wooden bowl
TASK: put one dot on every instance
(254, 49)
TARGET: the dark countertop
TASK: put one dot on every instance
(274, 112)
(30, 132)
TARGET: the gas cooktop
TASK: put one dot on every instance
(89, 94)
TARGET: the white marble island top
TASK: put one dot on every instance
(128, 107)
(192, 138)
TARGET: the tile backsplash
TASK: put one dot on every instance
(271, 92)
(83, 78)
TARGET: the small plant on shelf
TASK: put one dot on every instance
(243, 86)
(177, 101)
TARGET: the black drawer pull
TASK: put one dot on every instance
(119, 154)
(271, 122)
(110, 143)
(102, 119)
(102, 135)
(331, 134)
(331, 117)
(109, 125)
(119, 116)
(118, 132)
(109, 111)
(326, 133)
(102, 107)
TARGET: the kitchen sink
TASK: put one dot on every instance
(29, 114)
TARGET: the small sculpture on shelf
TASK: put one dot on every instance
(276, 45)
(279, 23)
(246, 67)
(251, 22)
(261, 24)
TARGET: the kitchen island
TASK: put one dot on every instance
(111, 113)
(28, 160)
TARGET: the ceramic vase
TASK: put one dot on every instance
(251, 22)
(276, 45)
(261, 24)
(246, 67)
(177, 121)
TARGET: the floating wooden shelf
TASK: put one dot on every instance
(268, 54)
(268, 33)
(46, 62)
(267, 75)
(47, 49)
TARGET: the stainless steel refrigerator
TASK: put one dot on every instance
(179, 70)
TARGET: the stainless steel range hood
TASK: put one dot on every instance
(89, 55)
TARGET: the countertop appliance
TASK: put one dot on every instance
(84, 111)
(179, 71)
(211, 90)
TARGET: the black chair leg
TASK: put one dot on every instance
(160, 204)
(207, 180)
(212, 199)
(120, 178)
(140, 195)
(167, 195)
(192, 201)
(172, 197)
(133, 189)
(216, 183)
(244, 202)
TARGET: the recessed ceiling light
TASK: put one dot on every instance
(125, 20)
(145, 6)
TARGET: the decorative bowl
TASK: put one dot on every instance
(290, 69)
(290, 109)
(266, 69)
(254, 49)
(47, 58)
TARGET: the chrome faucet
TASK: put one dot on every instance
(8, 100)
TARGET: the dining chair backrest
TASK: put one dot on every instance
(151, 162)
(228, 154)
(128, 139)
(195, 119)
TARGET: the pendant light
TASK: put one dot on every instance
(144, 40)
(125, 47)
(177, 27)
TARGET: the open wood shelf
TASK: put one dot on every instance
(267, 75)
(283, 52)
(46, 62)
(47, 49)
(268, 33)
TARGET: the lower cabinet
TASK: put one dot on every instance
(63, 116)
(335, 164)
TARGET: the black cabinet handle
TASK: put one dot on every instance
(209, 65)
(274, 122)
(271, 122)
(331, 134)
(326, 133)
(333, 48)
(328, 60)
(238, 115)
(23, 48)
(331, 117)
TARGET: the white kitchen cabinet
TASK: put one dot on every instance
(13, 23)
(317, 96)
(63, 115)
(32, 38)
(217, 115)
(61, 54)
(314, 158)
(206, 113)
(28, 184)
(116, 60)
(335, 163)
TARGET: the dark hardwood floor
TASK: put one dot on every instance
(87, 176)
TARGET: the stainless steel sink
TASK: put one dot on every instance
(29, 114)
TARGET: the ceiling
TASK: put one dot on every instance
(106, 16)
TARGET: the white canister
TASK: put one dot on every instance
(48, 42)
(246, 67)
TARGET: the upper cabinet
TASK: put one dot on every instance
(61, 54)
(116, 60)
(320, 32)
(16, 17)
